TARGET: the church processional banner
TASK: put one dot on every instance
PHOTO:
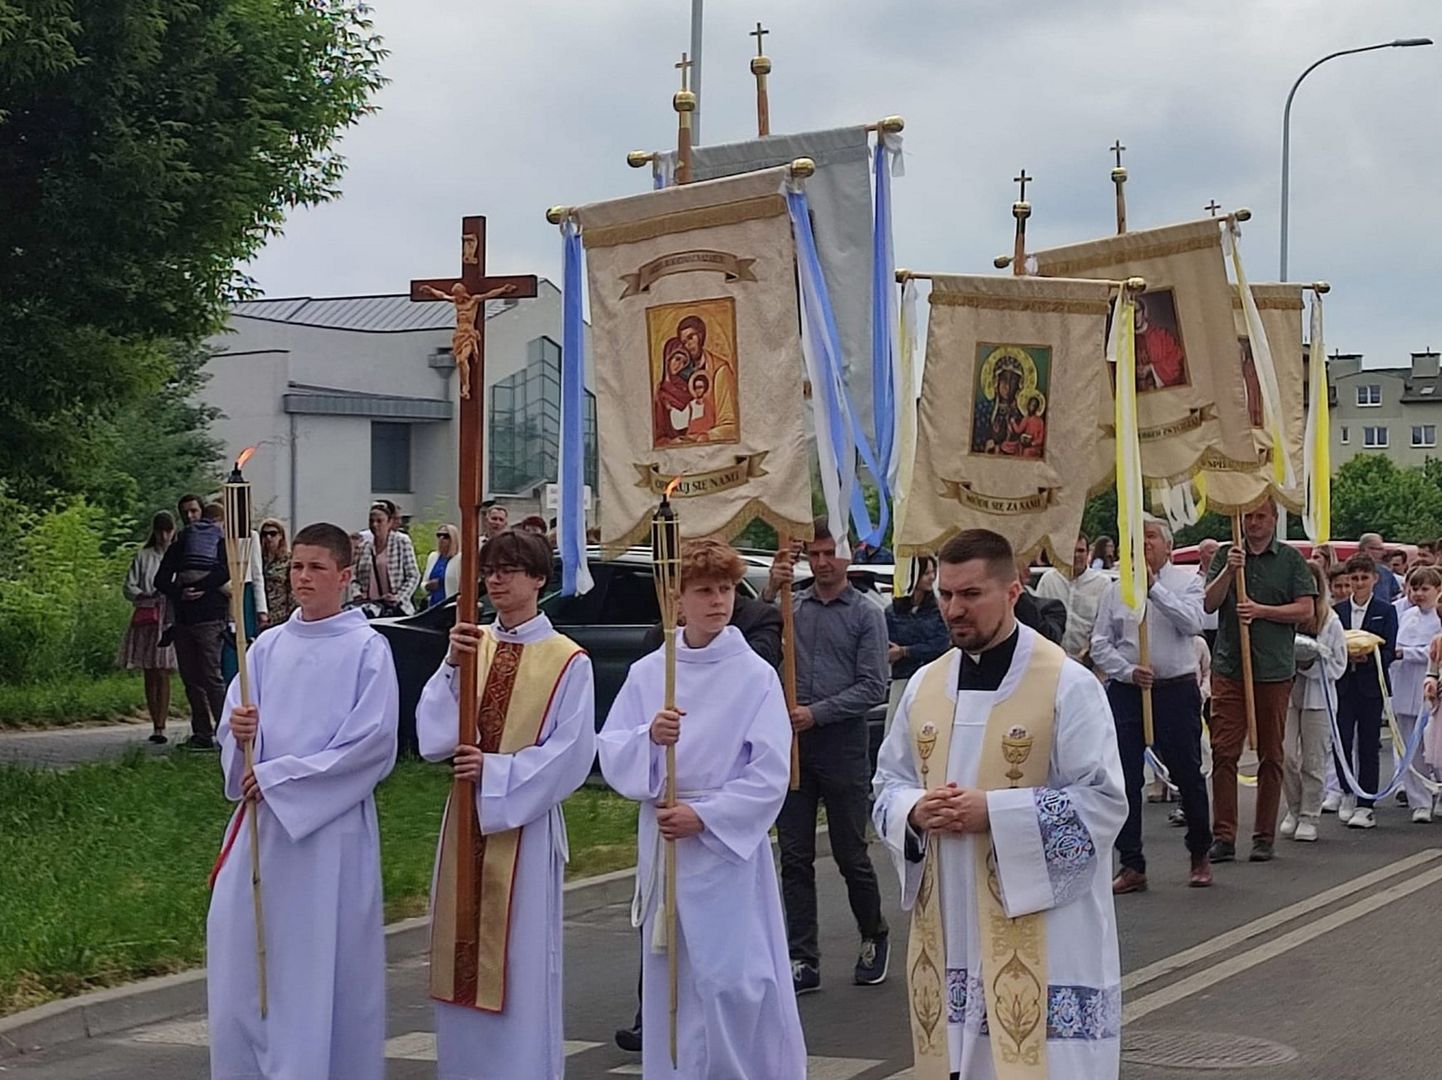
(1014, 385)
(1233, 487)
(696, 345)
(1188, 398)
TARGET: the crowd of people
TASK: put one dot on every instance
(1014, 761)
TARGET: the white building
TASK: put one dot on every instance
(351, 399)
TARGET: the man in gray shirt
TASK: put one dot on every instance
(841, 673)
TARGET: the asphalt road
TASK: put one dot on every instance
(1320, 963)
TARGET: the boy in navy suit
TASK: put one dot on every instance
(1359, 695)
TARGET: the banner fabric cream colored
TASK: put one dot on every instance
(1014, 385)
(695, 338)
(1188, 398)
(1232, 486)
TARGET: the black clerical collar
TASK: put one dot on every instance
(988, 670)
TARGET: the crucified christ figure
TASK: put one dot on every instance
(466, 341)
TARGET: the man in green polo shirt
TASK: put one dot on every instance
(1279, 596)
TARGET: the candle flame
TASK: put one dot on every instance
(675, 482)
(245, 456)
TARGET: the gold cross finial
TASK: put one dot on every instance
(684, 67)
(1212, 207)
(1118, 149)
(1023, 180)
(759, 33)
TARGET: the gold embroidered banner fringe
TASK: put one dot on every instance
(695, 341)
(1013, 976)
(1007, 425)
(517, 684)
(1188, 397)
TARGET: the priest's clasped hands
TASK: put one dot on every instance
(951, 809)
(244, 724)
(679, 821)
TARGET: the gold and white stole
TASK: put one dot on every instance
(1013, 976)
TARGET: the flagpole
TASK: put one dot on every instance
(1244, 633)
(697, 20)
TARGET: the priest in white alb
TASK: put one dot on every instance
(498, 1004)
(999, 792)
(737, 1017)
(323, 716)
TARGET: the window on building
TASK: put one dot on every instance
(390, 457)
(1369, 395)
(1375, 437)
(1346, 435)
(525, 423)
(1424, 434)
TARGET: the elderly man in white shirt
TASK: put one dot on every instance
(1081, 594)
(1174, 619)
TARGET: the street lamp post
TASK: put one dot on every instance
(1400, 43)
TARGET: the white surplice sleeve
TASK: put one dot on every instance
(517, 789)
(306, 793)
(437, 714)
(897, 787)
(738, 816)
(632, 764)
(232, 754)
(1048, 840)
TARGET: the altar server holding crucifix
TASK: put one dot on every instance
(737, 1012)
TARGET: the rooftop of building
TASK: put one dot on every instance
(1421, 378)
(387, 313)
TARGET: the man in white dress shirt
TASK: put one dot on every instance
(1174, 620)
(1082, 594)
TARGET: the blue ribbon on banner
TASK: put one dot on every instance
(883, 322)
(571, 512)
(848, 438)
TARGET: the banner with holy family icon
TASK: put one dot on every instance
(696, 344)
(1234, 486)
(1015, 381)
(1189, 400)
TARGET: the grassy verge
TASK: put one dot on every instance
(82, 699)
(103, 867)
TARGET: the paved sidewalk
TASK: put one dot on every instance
(55, 748)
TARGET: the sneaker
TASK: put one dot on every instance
(1289, 825)
(1421, 816)
(1400, 798)
(1129, 881)
(1261, 851)
(199, 742)
(1177, 817)
(1201, 872)
(805, 978)
(1347, 808)
(158, 739)
(629, 1039)
(1222, 851)
(1332, 802)
(1306, 832)
(1362, 818)
(871, 965)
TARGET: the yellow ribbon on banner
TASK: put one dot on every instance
(906, 403)
(1122, 353)
(1262, 359)
(1317, 441)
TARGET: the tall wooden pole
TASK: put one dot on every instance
(1119, 179)
(788, 660)
(1021, 210)
(761, 67)
(469, 293)
(1244, 634)
(684, 102)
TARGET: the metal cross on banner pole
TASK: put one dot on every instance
(469, 294)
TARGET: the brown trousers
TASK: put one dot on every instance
(1229, 734)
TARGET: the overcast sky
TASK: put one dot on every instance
(506, 109)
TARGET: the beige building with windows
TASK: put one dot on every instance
(1392, 411)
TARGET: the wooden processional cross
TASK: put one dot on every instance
(469, 294)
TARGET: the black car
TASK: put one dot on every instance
(610, 622)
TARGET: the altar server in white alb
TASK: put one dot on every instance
(999, 791)
(323, 717)
(498, 1007)
(737, 1009)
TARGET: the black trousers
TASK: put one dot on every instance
(1359, 722)
(1177, 723)
(197, 655)
(835, 770)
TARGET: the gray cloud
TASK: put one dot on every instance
(504, 111)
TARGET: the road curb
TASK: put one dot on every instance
(166, 997)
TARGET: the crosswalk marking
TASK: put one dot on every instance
(817, 1068)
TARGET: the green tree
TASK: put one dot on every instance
(1371, 494)
(148, 148)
